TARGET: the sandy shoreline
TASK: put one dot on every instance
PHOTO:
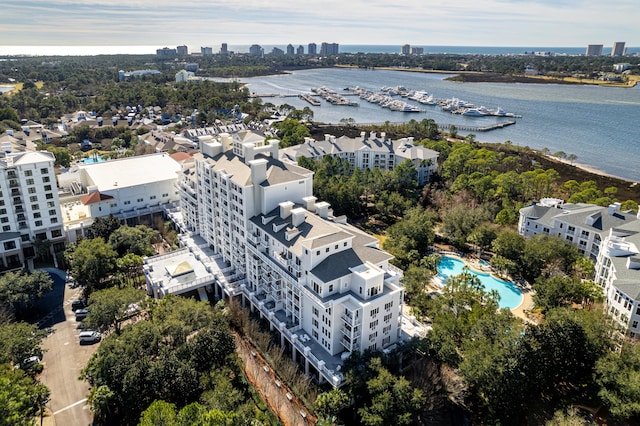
(587, 168)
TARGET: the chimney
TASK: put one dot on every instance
(327, 137)
(410, 140)
(285, 209)
(275, 146)
(322, 208)
(363, 136)
(227, 141)
(258, 171)
(613, 208)
(383, 136)
(373, 135)
(310, 203)
(297, 216)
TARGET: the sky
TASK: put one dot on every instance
(548, 23)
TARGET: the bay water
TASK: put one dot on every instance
(600, 125)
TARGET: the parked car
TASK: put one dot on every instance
(27, 363)
(77, 304)
(89, 337)
(81, 314)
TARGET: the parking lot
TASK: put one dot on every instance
(65, 358)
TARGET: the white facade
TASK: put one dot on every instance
(368, 153)
(582, 225)
(128, 188)
(618, 272)
(29, 207)
(323, 285)
(607, 236)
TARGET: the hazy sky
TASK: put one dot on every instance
(548, 23)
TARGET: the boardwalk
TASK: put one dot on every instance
(445, 126)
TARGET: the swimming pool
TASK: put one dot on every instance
(510, 294)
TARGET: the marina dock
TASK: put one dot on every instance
(313, 101)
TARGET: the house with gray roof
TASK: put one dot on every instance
(368, 152)
(606, 235)
(582, 225)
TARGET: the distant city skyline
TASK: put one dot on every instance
(417, 22)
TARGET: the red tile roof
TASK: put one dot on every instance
(94, 197)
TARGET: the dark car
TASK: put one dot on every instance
(77, 304)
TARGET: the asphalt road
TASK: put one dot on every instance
(65, 358)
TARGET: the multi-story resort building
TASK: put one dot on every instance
(368, 152)
(607, 236)
(253, 231)
(29, 207)
(134, 189)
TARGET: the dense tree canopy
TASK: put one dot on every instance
(19, 291)
(164, 358)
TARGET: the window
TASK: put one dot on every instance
(153, 197)
(38, 223)
(635, 324)
(56, 232)
(165, 195)
(47, 187)
(52, 212)
(54, 220)
(46, 179)
(4, 220)
(6, 228)
(30, 181)
(37, 215)
(139, 200)
(126, 203)
(9, 245)
(3, 211)
(35, 207)
(50, 204)
(31, 190)
(28, 173)
(33, 198)
(44, 171)
(49, 196)
(330, 287)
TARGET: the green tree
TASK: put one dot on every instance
(20, 340)
(111, 306)
(409, 239)
(19, 290)
(393, 399)
(103, 227)
(92, 261)
(133, 239)
(159, 413)
(21, 397)
(331, 403)
(163, 358)
(618, 375)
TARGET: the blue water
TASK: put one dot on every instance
(510, 294)
(92, 160)
(597, 124)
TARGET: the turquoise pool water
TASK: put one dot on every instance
(510, 294)
(92, 160)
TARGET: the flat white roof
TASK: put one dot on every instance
(132, 171)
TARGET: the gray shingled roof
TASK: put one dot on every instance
(337, 265)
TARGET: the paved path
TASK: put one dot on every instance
(64, 359)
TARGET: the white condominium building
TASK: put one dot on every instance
(618, 272)
(368, 153)
(607, 236)
(325, 287)
(582, 225)
(29, 207)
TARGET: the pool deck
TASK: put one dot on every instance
(519, 311)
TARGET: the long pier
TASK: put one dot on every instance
(444, 126)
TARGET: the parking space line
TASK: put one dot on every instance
(70, 406)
